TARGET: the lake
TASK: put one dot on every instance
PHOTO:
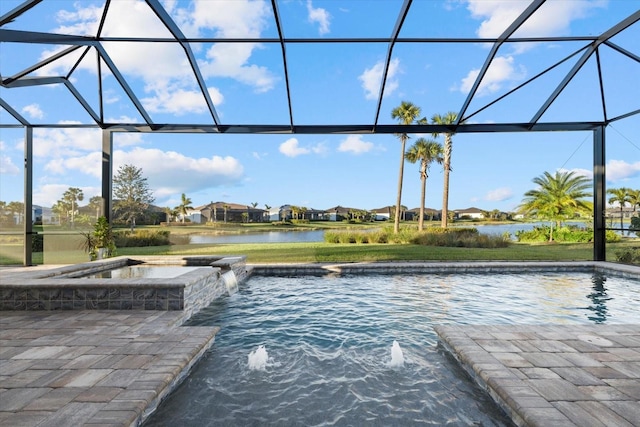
(318, 235)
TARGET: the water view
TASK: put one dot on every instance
(318, 235)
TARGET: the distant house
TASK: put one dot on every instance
(615, 212)
(383, 214)
(225, 212)
(289, 212)
(430, 214)
(341, 213)
(471, 213)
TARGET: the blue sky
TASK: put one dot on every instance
(330, 84)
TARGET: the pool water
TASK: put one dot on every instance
(328, 343)
(143, 272)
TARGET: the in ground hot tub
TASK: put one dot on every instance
(122, 283)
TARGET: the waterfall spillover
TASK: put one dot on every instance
(230, 281)
(258, 359)
(397, 358)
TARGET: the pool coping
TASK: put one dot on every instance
(408, 267)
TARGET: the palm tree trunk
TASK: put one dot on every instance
(621, 217)
(423, 192)
(396, 224)
(445, 192)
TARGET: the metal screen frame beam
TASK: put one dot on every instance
(107, 174)
(28, 196)
(599, 195)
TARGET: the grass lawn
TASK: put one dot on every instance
(330, 252)
(65, 249)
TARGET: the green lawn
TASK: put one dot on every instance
(329, 252)
(65, 248)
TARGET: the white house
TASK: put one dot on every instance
(473, 213)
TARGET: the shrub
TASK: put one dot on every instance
(461, 239)
(635, 225)
(436, 236)
(628, 255)
(537, 234)
(567, 234)
(139, 238)
(612, 237)
(300, 221)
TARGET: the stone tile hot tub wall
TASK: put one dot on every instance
(62, 288)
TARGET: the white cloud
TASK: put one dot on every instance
(553, 18)
(169, 173)
(179, 101)
(320, 148)
(355, 145)
(169, 84)
(319, 15)
(587, 173)
(47, 194)
(499, 194)
(34, 111)
(231, 18)
(291, 148)
(619, 170)
(501, 71)
(64, 142)
(7, 167)
(371, 79)
(615, 171)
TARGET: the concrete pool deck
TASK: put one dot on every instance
(113, 367)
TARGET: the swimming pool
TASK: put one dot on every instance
(329, 342)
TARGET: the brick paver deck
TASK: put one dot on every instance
(558, 375)
(92, 368)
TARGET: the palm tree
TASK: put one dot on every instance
(634, 198)
(426, 152)
(96, 203)
(170, 213)
(446, 119)
(184, 206)
(557, 197)
(73, 195)
(226, 208)
(406, 113)
(16, 210)
(622, 197)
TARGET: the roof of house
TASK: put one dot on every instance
(230, 206)
(469, 210)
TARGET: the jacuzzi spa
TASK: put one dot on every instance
(186, 283)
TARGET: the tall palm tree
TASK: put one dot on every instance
(426, 152)
(446, 119)
(406, 113)
(184, 206)
(557, 197)
(622, 197)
